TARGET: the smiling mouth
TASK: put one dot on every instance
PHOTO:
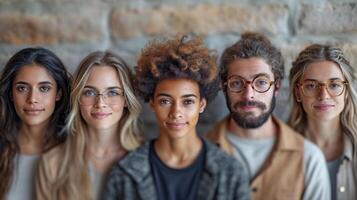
(33, 111)
(100, 115)
(323, 107)
(174, 125)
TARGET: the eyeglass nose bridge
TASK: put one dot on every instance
(104, 98)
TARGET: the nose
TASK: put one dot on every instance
(175, 111)
(323, 93)
(248, 91)
(100, 102)
(32, 97)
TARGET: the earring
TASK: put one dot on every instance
(298, 99)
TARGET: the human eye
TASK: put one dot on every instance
(44, 89)
(187, 102)
(21, 88)
(261, 82)
(235, 83)
(164, 101)
(335, 84)
(89, 93)
(310, 85)
(113, 93)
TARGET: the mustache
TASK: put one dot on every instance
(251, 103)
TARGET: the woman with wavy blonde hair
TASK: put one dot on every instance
(102, 128)
(323, 84)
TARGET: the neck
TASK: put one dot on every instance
(324, 131)
(102, 142)
(327, 135)
(267, 130)
(178, 152)
(31, 138)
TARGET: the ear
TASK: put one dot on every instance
(59, 95)
(151, 103)
(203, 104)
(277, 85)
(297, 94)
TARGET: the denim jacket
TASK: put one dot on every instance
(223, 177)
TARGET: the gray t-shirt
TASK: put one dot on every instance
(97, 181)
(315, 173)
(23, 184)
(333, 167)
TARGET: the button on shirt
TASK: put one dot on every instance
(347, 173)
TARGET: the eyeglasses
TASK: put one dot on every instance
(260, 83)
(110, 97)
(312, 88)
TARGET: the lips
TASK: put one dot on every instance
(175, 125)
(100, 115)
(323, 107)
(248, 107)
(33, 111)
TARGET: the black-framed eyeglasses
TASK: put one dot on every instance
(260, 83)
(110, 97)
(312, 88)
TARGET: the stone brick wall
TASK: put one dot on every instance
(73, 28)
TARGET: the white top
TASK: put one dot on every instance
(23, 183)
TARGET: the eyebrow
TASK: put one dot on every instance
(108, 88)
(330, 79)
(183, 96)
(40, 83)
(252, 77)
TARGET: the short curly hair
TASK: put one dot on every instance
(251, 45)
(183, 57)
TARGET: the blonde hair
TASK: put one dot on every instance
(73, 179)
(316, 53)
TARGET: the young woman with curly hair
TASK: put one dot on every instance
(177, 77)
(101, 129)
(34, 88)
(323, 84)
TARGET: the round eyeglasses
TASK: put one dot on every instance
(110, 97)
(312, 88)
(260, 83)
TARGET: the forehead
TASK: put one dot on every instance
(177, 87)
(103, 76)
(249, 68)
(33, 74)
(322, 70)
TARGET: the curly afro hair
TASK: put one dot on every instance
(183, 57)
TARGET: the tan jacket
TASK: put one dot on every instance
(282, 174)
(46, 173)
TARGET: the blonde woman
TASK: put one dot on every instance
(101, 126)
(324, 109)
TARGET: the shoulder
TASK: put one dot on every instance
(220, 159)
(312, 152)
(135, 163)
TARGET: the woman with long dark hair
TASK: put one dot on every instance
(34, 88)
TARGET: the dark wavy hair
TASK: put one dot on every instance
(9, 120)
(249, 46)
(182, 57)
